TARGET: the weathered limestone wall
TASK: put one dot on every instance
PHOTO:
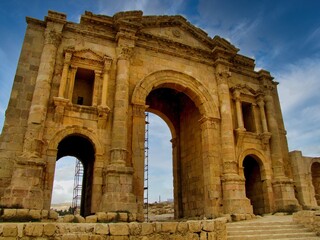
(309, 219)
(201, 230)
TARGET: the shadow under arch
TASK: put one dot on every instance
(256, 180)
(181, 82)
(315, 177)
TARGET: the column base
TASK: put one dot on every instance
(284, 197)
(25, 190)
(118, 195)
(234, 196)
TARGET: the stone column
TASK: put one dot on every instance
(282, 186)
(211, 162)
(40, 99)
(96, 87)
(105, 76)
(234, 197)
(27, 183)
(260, 102)
(138, 155)
(255, 116)
(119, 191)
(236, 96)
(64, 76)
(72, 76)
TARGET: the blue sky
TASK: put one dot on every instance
(283, 37)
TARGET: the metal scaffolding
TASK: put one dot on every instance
(77, 187)
(146, 168)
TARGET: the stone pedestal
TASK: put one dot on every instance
(234, 196)
(25, 189)
(118, 194)
(284, 196)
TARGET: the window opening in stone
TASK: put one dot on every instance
(248, 117)
(254, 185)
(83, 87)
(160, 170)
(63, 185)
(315, 171)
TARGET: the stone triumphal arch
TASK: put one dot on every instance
(82, 90)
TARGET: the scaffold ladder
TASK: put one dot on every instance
(146, 168)
(77, 187)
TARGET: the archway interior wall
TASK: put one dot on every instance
(315, 173)
(254, 186)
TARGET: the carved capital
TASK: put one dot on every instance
(119, 155)
(107, 64)
(139, 110)
(52, 37)
(125, 53)
(265, 137)
(230, 167)
(209, 123)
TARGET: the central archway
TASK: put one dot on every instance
(185, 104)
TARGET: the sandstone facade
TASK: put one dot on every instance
(82, 89)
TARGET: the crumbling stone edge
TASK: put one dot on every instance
(309, 219)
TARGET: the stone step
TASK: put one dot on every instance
(268, 230)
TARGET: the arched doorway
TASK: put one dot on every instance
(82, 149)
(183, 117)
(315, 172)
(254, 184)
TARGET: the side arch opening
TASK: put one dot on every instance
(81, 148)
(315, 173)
(254, 184)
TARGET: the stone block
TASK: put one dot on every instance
(22, 213)
(44, 214)
(9, 213)
(194, 226)
(68, 218)
(102, 229)
(10, 230)
(135, 228)
(123, 216)
(112, 216)
(147, 229)
(102, 216)
(33, 230)
(91, 219)
(53, 215)
(119, 229)
(79, 219)
(182, 227)
(169, 227)
(208, 225)
(49, 229)
(35, 214)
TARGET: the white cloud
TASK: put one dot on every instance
(299, 96)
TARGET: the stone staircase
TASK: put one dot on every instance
(271, 227)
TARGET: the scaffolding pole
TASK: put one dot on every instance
(146, 168)
(77, 187)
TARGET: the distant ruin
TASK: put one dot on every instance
(82, 90)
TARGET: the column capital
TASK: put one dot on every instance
(107, 63)
(124, 52)
(52, 37)
(139, 110)
(222, 74)
(209, 122)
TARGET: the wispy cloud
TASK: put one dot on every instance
(299, 94)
